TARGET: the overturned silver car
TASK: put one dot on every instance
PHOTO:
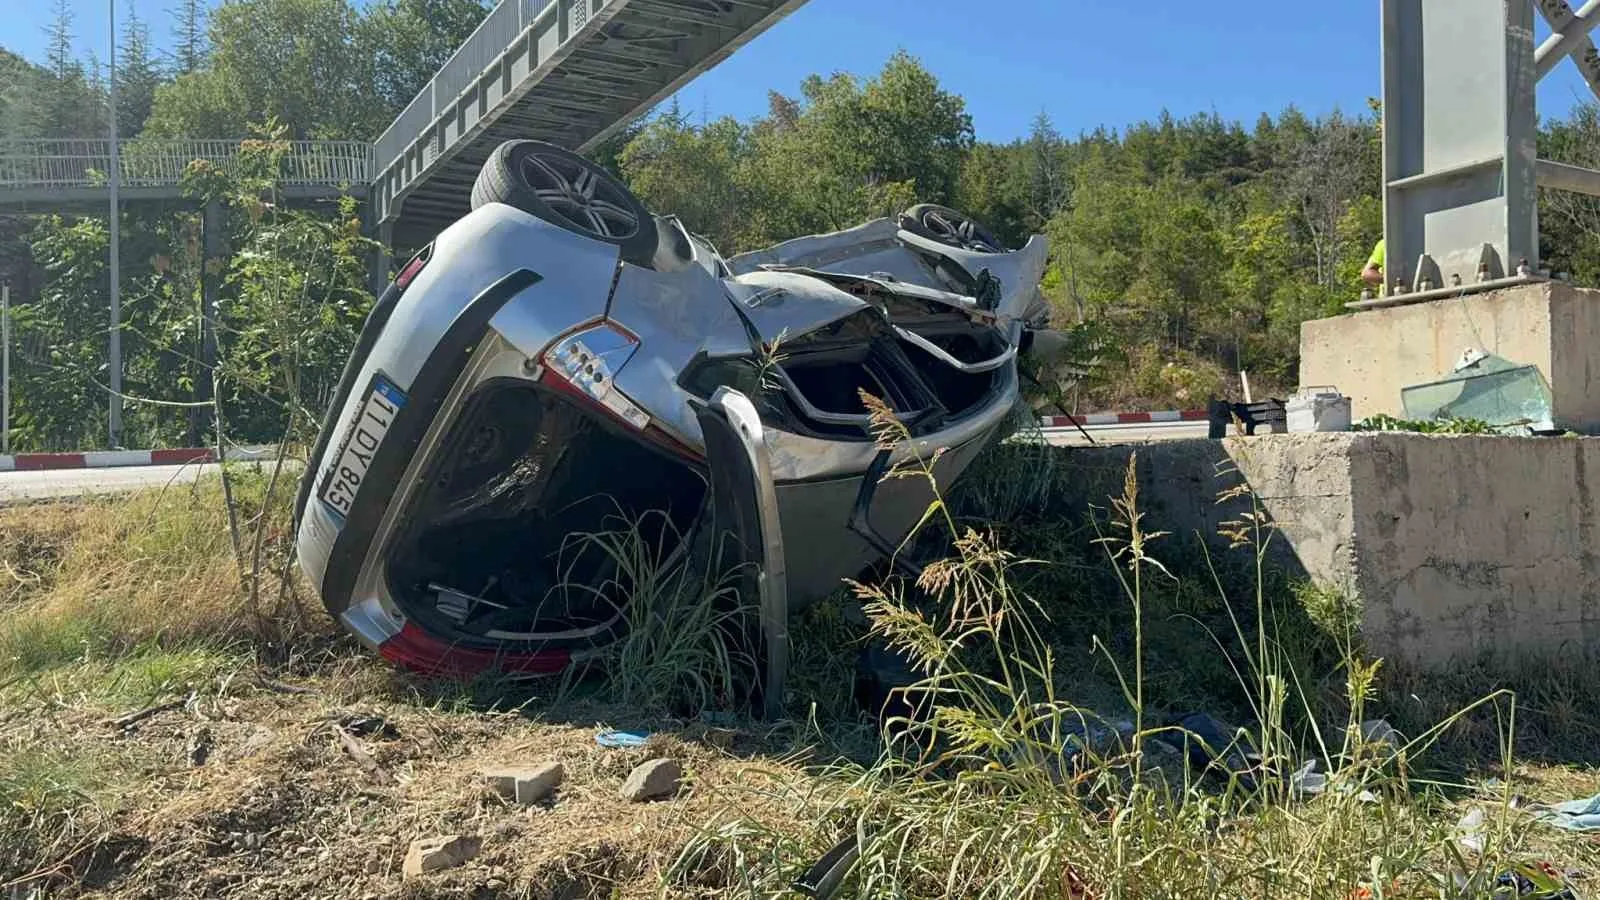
(561, 357)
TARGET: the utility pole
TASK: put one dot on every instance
(5, 368)
(114, 416)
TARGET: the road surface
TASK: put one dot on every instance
(1127, 434)
(59, 483)
(56, 483)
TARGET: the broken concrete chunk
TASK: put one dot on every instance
(654, 780)
(526, 785)
(431, 854)
(537, 784)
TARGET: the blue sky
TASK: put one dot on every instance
(1084, 62)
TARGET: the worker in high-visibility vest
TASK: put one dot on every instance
(1373, 273)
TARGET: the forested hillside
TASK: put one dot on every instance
(1192, 246)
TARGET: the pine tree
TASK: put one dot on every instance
(188, 36)
(64, 102)
(1047, 173)
(137, 76)
(59, 56)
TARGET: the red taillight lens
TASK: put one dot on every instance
(415, 649)
(409, 270)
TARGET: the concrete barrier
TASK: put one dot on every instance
(1370, 355)
(1454, 546)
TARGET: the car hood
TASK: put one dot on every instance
(782, 305)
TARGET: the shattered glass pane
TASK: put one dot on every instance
(1489, 389)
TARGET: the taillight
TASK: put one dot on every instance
(410, 269)
(584, 364)
(415, 649)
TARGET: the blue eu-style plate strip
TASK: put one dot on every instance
(390, 392)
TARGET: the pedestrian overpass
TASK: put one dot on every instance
(571, 72)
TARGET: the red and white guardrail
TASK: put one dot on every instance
(105, 459)
(1128, 418)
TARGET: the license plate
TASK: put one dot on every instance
(360, 445)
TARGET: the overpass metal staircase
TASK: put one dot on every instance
(571, 72)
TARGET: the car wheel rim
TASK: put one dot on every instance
(581, 196)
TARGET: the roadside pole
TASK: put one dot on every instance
(114, 412)
(5, 368)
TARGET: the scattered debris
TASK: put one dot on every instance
(526, 786)
(1307, 781)
(200, 746)
(1317, 409)
(1214, 745)
(1513, 398)
(369, 725)
(280, 687)
(617, 740)
(826, 875)
(1574, 815)
(1536, 880)
(1378, 731)
(653, 780)
(1469, 830)
(435, 853)
(362, 757)
(721, 738)
(127, 722)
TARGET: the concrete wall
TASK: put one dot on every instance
(1371, 355)
(1455, 546)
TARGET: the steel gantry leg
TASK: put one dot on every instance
(1461, 176)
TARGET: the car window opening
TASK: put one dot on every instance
(495, 551)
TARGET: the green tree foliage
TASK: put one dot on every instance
(844, 151)
(61, 100)
(402, 43)
(326, 69)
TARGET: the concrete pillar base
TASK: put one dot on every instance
(1371, 355)
(1456, 548)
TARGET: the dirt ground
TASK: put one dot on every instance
(248, 791)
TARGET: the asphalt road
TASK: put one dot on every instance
(59, 483)
(1127, 434)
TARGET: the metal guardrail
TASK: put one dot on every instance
(498, 30)
(62, 164)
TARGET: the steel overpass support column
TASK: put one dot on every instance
(380, 261)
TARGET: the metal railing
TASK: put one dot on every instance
(498, 30)
(63, 164)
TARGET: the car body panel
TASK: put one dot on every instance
(746, 504)
(468, 258)
(503, 291)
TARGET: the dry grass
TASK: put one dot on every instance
(97, 578)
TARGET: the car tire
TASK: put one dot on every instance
(951, 228)
(568, 191)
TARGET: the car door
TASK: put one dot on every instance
(747, 536)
